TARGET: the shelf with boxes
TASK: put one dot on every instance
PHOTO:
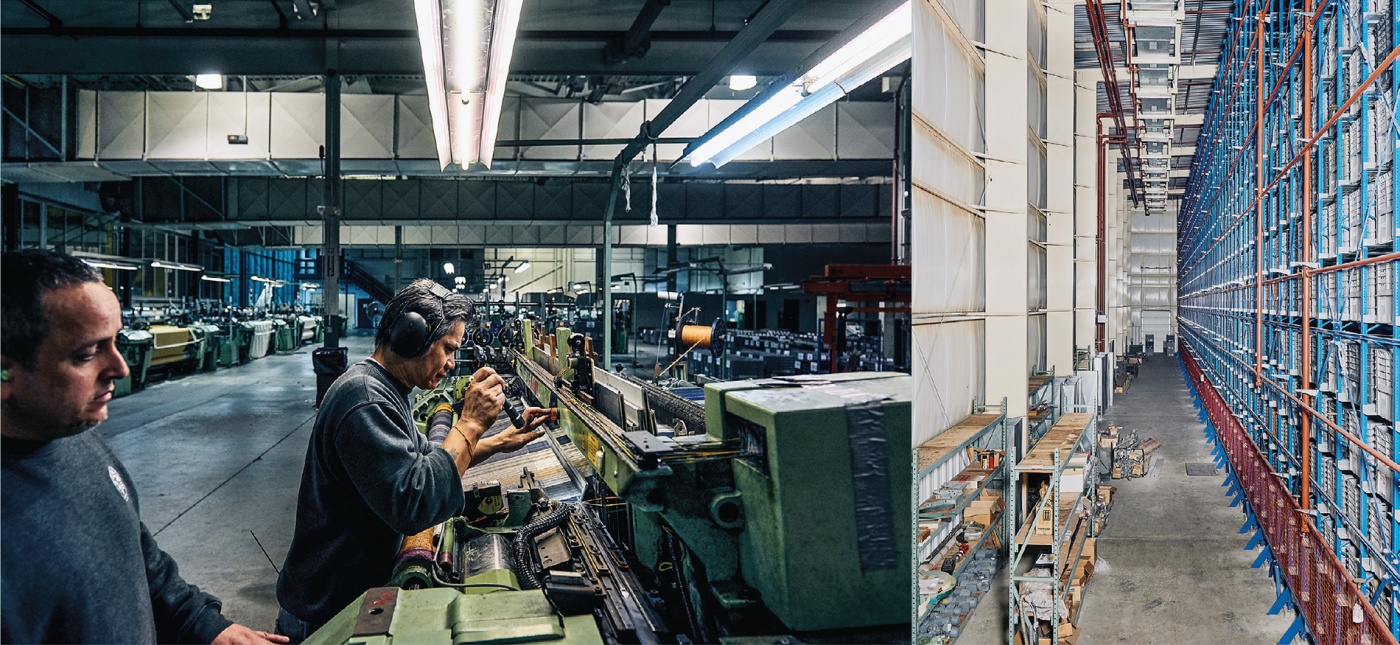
(1056, 483)
(960, 528)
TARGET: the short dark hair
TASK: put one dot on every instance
(25, 276)
(419, 298)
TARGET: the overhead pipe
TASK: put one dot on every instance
(1099, 27)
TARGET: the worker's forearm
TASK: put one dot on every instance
(462, 451)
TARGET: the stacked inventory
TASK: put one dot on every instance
(960, 526)
(1288, 267)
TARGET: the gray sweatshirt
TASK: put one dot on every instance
(370, 478)
(78, 564)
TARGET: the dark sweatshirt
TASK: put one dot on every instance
(78, 564)
(370, 478)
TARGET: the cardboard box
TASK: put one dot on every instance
(1091, 550)
(1106, 493)
(1072, 478)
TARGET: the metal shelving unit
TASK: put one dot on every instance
(939, 461)
(1047, 460)
(1287, 289)
(1042, 393)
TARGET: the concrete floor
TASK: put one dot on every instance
(217, 459)
(1178, 569)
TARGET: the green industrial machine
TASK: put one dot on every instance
(212, 341)
(789, 494)
(160, 350)
(285, 337)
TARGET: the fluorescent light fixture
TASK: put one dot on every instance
(741, 82)
(309, 286)
(874, 51)
(524, 264)
(466, 47)
(668, 295)
(104, 264)
(209, 81)
(272, 281)
(175, 266)
(448, 268)
(210, 278)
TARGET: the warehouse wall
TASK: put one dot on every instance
(949, 227)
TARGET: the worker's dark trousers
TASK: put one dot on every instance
(295, 629)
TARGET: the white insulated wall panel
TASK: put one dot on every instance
(950, 243)
(616, 120)
(121, 125)
(238, 113)
(811, 138)
(298, 125)
(416, 129)
(547, 119)
(367, 126)
(176, 124)
(948, 373)
(864, 130)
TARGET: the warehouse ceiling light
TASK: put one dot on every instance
(524, 265)
(448, 268)
(741, 82)
(105, 264)
(209, 81)
(874, 51)
(210, 278)
(466, 47)
(175, 266)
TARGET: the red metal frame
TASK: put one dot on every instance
(838, 284)
(1323, 590)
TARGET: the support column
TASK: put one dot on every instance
(330, 212)
(1060, 190)
(398, 258)
(1007, 255)
(1085, 206)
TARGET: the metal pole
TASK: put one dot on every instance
(398, 258)
(330, 211)
(606, 263)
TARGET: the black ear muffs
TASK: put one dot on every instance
(411, 334)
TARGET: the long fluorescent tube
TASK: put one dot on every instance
(210, 278)
(524, 264)
(104, 264)
(209, 81)
(466, 47)
(874, 51)
(175, 266)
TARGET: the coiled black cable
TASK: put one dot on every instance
(521, 544)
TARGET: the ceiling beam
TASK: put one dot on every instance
(306, 52)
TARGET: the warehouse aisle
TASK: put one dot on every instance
(217, 459)
(1177, 568)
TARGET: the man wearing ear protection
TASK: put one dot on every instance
(78, 564)
(370, 476)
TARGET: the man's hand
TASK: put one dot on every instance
(238, 635)
(512, 439)
(481, 403)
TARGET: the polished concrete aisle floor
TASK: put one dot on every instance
(217, 460)
(1178, 571)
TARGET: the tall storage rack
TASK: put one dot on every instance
(1287, 297)
(939, 461)
(1046, 462)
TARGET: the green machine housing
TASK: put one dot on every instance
(811, 522)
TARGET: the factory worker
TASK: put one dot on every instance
(370, 476)
(78, 566)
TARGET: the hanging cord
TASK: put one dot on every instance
(654, 159)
